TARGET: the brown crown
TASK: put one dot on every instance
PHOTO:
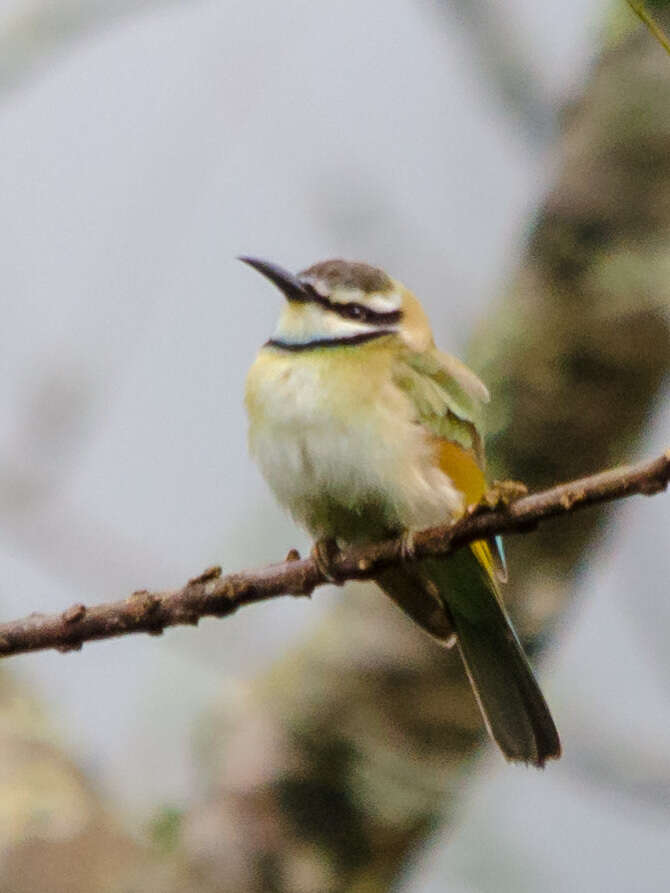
(348, 274)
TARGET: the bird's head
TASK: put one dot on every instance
(338, 302)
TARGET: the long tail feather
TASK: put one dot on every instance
(513, 707)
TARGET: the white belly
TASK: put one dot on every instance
(344, 455)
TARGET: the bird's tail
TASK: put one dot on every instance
(458, 595)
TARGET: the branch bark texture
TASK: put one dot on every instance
(211, 595)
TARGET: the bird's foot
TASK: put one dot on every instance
(324, 552)
(501, 494)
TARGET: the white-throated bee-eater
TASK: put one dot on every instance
(363, 430)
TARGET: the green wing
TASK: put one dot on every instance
(448, 399)
(443, 404)
(458, 595)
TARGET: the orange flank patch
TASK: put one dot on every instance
(462, 467)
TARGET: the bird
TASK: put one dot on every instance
(364, 430)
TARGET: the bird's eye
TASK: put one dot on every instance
(356, 311)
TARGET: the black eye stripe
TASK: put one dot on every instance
(353, 310)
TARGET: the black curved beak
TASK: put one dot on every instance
(286, 282)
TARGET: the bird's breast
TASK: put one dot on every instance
(338, 443)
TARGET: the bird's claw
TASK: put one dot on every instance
(501, 494)
(323, 553)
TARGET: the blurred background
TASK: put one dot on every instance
(510, 162)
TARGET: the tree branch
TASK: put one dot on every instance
(211, 595)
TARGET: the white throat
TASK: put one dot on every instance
(310, 322)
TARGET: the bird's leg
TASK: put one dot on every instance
(324, 552)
